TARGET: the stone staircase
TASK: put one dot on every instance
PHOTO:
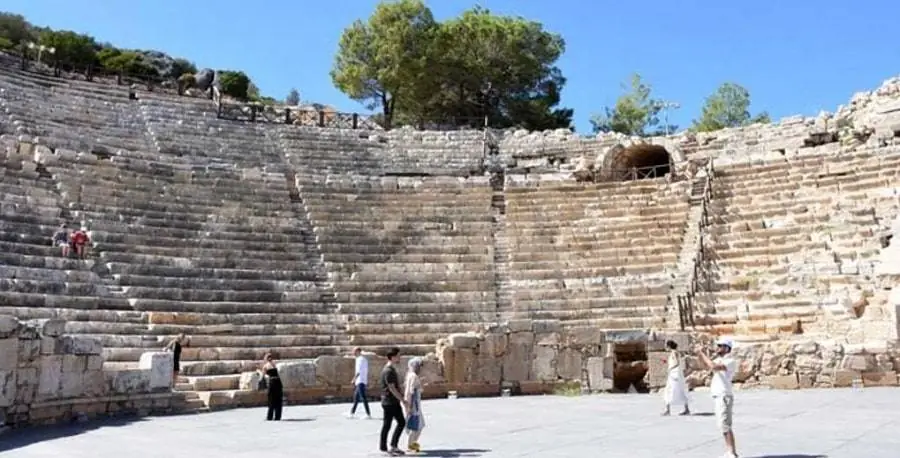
(691, 249)
(502, 284)
(193, 399)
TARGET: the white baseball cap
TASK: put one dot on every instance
(725, 342)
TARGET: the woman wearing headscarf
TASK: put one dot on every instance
(412, 392)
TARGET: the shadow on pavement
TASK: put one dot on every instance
(18, 438)
(790, 456)
(453, 452)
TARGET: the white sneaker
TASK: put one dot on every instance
(351, 416)
(729, 455)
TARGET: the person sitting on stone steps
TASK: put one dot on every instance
(80, 240)
(61, 239)
(275, 393)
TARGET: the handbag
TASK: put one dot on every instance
(262, 384)
(412, 423)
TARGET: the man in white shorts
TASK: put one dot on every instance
(723, 368)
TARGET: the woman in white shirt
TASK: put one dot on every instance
(676, 391)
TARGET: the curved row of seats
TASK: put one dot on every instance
(410, 259)
(788, 233)
(69, 113)
(610, 264)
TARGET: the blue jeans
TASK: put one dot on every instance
(359, 394)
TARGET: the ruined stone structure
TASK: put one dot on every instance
(515, 260)
(47, 376)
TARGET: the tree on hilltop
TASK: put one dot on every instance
(499, 66)
(293, 98)
(634, 113)
(383, 62)
(475, 65)
(729, 106)
(234, 83)
(14, 30)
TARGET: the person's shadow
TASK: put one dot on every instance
(793, 455)
(453, 453)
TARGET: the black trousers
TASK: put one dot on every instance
(360, 395)
(391, 413)
(275, 399)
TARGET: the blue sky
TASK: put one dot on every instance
(795, 56)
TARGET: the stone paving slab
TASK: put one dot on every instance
(768, 424)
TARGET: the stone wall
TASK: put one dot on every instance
(49, 377)
(541, 357)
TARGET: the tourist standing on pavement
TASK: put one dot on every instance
(360, 378)
(723, 368)
(275, 393)
(676, 391)
(393, 405)
(412, 393)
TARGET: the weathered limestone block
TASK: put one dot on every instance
(600, 371)
(9, 353)
(783, 382)
(77, 345)
(658, 368)
(544, 365)
(859, 363)
(50, 377)
(49, 327)
(519, 326)
(494, 344)
(161, 368)
(7, 388)
(467, 340)
(72, 377)
(432, 370)
(249, 381)
(458, 363)
(297, 374)
(9, 326)
(29, 350)
(335, 370)
(129, 381)
(95, 383)
(518, 358)
(569, 364)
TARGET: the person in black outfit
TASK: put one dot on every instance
(275, 393)
(174, 346)
(392, 403)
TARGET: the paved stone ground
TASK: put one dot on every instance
(768, 424)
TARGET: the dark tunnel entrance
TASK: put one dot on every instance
(640, 162)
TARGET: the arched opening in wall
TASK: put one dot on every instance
(631, 365)
(640, 162)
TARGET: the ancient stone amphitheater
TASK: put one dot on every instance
(514, 260)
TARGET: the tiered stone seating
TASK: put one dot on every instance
(315, 152)
(220, 255)
(35, 281)
(188, 127)
(410, 259)
(72, 113)
(786, 234)
(599, 255)
(400, 152)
